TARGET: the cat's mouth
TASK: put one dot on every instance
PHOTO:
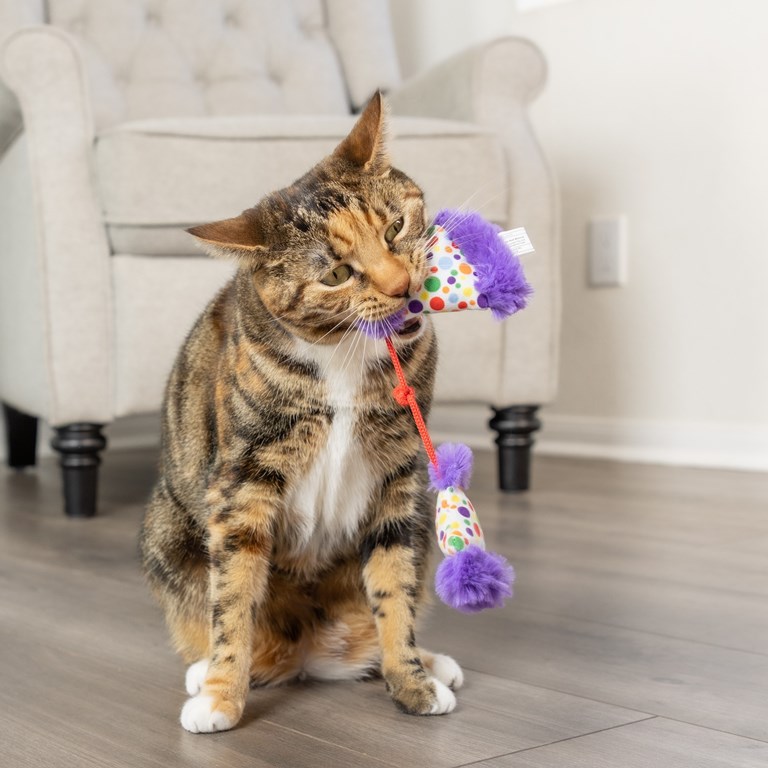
(410, 328)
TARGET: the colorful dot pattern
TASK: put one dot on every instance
(456, 522)
(450, 282)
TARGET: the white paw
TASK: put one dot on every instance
(445, 702)
(447, 671)
(195, 676)
(197, 716)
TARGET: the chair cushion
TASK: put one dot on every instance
(157, 300)
(162, 175)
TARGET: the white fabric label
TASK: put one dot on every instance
(518, 241)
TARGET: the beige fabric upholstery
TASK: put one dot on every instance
(162, 175)
(362, 32)
(141, 116)
(24, 351)
(153, 58)
(156, 303)
(43, 67)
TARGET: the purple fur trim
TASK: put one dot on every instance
(500, 278)
(454, 467)
(473, 579)
(380, 329)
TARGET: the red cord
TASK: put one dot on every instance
(405, 396)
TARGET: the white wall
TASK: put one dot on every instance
(657, 109)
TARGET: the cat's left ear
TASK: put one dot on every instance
(240, 237)
(365, 147)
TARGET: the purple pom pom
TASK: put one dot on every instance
(500, 278)
(473, 579)
(380, 329)
(454, 467)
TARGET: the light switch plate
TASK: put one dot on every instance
(608, 251)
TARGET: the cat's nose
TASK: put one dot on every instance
(392, 280)
(398, 288)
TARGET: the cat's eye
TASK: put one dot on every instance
(337, 276)
(393, 230)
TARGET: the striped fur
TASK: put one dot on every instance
(289, 530)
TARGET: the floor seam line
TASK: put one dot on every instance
(500, 676)
(644, 631)
(714, 730)
(325, 741)
(558, 741)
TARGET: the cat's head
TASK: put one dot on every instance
(342, 244)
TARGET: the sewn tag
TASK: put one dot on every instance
(518, 241)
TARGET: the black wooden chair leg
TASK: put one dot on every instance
(21, 438)
(79, 446)
(515, 427)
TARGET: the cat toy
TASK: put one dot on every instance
(470, 266)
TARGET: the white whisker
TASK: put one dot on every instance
(350, 313)
(336, 349)
(350, 356)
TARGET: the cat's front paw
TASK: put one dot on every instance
(445, 701)
(195, 677)
(424, 697)
(447, 671)
(200, 715)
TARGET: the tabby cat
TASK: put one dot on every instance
(288, 533)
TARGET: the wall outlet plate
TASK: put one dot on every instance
(607, 251)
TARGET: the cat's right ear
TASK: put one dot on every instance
(365, 146)
(240, 237)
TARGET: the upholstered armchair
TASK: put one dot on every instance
(125, 121)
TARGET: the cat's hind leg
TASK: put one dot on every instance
(345, 649)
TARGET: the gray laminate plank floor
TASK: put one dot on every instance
(638, 636)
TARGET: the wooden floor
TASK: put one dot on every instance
(638, 636)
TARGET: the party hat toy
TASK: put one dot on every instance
(470, 266)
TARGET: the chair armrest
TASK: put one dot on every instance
(44, 68)
(484, 84)
(492, 85)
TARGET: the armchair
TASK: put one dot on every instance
(125, 122)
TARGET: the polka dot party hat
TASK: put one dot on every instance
(469, 267)
(451, 282)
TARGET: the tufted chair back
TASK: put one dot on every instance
(168, 58)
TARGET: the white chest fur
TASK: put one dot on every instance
(332, 498)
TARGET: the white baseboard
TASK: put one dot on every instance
(694, 444)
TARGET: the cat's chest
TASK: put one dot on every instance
(330, 499)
